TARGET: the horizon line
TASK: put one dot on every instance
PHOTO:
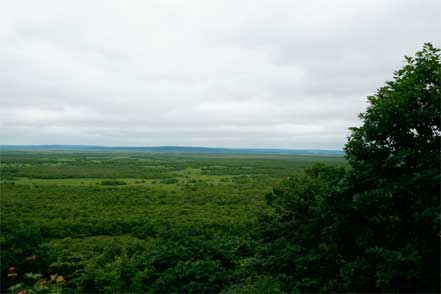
(164, 146)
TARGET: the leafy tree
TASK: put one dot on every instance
(376, 227)
(297, 249)
(395, 178)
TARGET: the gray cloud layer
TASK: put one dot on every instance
(267, 73)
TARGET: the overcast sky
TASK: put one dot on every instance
(280, 74)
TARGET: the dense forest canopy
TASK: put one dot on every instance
(94, 222)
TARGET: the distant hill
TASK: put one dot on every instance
(173, 149)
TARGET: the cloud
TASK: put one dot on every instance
(291, 74)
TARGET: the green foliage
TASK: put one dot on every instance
(113, 183)
(261, 284)
(36, 283)
(21, 242)
(296, 249)
(396, 150)
(169, 181)
(401, 128)
(375, 227)
(395, 178)
(134, 222)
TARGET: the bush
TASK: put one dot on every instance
(113, 183)
(169, 181)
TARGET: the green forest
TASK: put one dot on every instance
(146, 222)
